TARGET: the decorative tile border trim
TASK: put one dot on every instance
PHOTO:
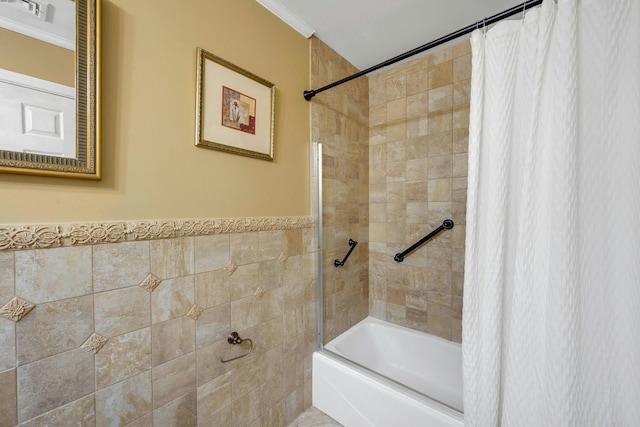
(13, 237)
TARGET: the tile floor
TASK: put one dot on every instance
(313, 417)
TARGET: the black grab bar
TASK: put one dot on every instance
(447, 224)
(353, 244)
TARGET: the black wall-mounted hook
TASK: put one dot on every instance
(338, 263)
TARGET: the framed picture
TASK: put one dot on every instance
(234, 108)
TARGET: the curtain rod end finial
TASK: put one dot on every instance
(308, 94)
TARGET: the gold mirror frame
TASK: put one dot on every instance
(86, 164)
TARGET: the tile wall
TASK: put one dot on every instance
(132, 333)
(419, 121)
(339, 120)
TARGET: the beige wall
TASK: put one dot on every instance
(419, 127)
(43, 60)
(340, 123)
(151, 168)
(161, 362)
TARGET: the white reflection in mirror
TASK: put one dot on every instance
(37, 77)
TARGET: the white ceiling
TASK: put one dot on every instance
(367, 32)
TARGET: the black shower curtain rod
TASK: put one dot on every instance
(308, 94)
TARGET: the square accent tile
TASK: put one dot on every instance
(230, 268)
(259, 293)
(150, 283)
(16, 309)
(94, 343)
(195, 312)
(282, 258)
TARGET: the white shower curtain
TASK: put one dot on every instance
(551, 322)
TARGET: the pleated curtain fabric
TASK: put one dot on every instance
(551, 320)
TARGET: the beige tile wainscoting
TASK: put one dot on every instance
(132, 332)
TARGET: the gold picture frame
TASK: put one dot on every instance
(235, 109)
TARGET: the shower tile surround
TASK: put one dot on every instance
(390, 185)
(131, 333)
(419, 127)
(339, 120)
(393, 187)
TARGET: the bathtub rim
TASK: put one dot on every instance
(388, 382)
(379, 322)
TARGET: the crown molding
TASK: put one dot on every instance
(53, 21)
(282, 12)
(34, 83)
(15, 237)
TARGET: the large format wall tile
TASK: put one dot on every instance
(180, 412)
(245, 313)
(211, 252)
(213, 325)
(173, 379)
(41, 384)
(246, 408)
(119, 265)
(172, 257)
(122, 357)
(244, 248)
(172, 298)
(53, 328)
(213, 288)
(270, 244)
(172, 339)
(46, 275)
(244, 281)
(8, 398)
(209, 363)
(125, 401)
(143, 421)
(122, 310)
(271, 274)
(214, 395)
(77, 413)
(7, 344)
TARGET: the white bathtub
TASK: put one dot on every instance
(355, 396)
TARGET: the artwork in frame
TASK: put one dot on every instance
(234, 108)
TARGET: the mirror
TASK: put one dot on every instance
(50, 90)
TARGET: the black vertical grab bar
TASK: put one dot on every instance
(447, 224)
(353, 244)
